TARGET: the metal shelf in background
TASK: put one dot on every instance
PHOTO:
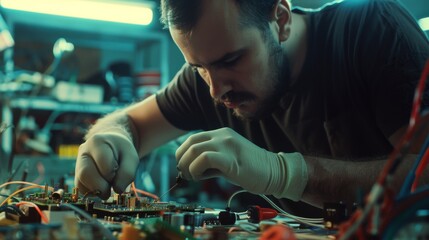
(43, 103)
(51, 167)
(49, 104)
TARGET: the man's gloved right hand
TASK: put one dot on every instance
(105, 160)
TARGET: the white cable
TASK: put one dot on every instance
(315, 222)
(319, 220)
(233, 195)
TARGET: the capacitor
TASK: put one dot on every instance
(58, 195)
(177, 220)
(189, 222)
(189, 219)
(166, 217)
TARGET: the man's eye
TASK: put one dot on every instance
(199, 69)
(230, 61)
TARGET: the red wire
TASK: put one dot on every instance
(148, 194)
(396, 153)
(422, 165)
(43, 216)
(133, 187)
(418, 94)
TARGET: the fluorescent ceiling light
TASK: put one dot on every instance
(424, 23)
(112, 11)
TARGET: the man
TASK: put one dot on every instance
(307, 105)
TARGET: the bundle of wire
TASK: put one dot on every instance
(381, 207)
(314, 222)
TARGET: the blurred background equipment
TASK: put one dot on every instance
(6, 39)
(60, 73)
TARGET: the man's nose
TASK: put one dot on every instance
(219, 84)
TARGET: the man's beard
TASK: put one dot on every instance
(278, 79)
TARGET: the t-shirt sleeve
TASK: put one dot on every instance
(183, 100)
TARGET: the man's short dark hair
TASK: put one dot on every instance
(184, 14)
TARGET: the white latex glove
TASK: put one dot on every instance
(223, 152)
(106, 160)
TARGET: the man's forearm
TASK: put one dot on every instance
(118, 122)
(338, 180)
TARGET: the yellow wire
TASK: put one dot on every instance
(20, 190)
(23, 182)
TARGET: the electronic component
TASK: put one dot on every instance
(254, 214)
(227, 217)
(334, 214)
(257, 214)
(123, 216)
(143, 210)
(7, 218)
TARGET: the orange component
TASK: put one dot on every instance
(129, 232)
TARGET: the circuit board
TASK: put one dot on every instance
(57, 214)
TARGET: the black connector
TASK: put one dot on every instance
(227, 218)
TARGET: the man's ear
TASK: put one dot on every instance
(283, 17)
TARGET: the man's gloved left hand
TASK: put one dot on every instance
(223, 152)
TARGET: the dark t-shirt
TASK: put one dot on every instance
(356, 88)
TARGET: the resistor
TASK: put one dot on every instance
(75, 194)
(46, 191)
